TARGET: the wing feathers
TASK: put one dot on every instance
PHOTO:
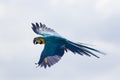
(51, 60)
(81, 49)
(41, 29)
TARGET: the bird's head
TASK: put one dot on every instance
(39, 40)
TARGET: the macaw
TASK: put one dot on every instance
(56, 46)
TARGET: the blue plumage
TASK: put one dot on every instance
(55, 46)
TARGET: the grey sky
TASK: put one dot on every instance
(95, 22)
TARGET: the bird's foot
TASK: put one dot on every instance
(37, 65)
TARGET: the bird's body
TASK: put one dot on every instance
(56, 46)
(52, 44)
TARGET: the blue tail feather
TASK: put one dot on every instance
(81, 49)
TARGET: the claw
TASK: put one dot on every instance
(37, 65)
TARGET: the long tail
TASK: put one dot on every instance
(82, 49)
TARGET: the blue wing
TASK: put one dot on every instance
(53, 51)
(41, 29)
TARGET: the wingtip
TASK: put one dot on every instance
(40, 24)
(37, 25)
(32, 23)
(32, 26)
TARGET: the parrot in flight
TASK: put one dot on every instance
(55, 46)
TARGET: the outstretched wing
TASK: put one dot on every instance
(41, 29)
(52, 53)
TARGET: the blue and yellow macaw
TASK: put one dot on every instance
(56, 46)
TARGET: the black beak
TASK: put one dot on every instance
(35, 42)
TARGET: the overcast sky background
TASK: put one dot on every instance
(95, 22)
